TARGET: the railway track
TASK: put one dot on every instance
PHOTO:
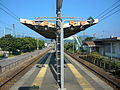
(113, 82)
(7, 82)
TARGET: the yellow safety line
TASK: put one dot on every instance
(39, 79)
(82, 81)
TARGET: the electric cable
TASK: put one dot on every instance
(9, 10)
(9, 14)
(109, 12)
(107, 9)
(109, 15)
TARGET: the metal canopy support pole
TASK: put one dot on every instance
(62, 57)
(58, 49)
(60, 46)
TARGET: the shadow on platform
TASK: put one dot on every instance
(41, 63)
(29, 88)
(52, 65)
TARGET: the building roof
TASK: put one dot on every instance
(100, 42)
(109, 39)
(90, 43)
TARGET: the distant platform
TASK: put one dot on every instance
(48, 30)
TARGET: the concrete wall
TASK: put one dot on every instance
(116, 50)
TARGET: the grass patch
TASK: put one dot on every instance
(11, 55)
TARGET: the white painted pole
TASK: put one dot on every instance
(13, 31)
(73, 45)
(62, 57)
(37, 44)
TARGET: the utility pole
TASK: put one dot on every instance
(13, 30)
(37, 44)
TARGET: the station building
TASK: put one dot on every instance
(106, 47)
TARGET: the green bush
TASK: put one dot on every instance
(108, 63)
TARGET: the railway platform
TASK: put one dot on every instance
(42, 76)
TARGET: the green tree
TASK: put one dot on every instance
(41, 44)
(7, 43)
(28, 44)
(68, 47)
(89, 38)
(17, 45)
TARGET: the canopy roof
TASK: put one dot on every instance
(48, 30)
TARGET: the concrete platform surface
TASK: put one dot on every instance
(43, 77)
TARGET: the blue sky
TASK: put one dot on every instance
(29, 9)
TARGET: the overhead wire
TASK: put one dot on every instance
(107, 9)
(109, 15)
(9, 14)
(9, 10)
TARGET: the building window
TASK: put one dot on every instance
(113, 48)
(109, 47)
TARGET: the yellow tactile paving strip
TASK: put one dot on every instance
(39, 79)
(82, 81)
